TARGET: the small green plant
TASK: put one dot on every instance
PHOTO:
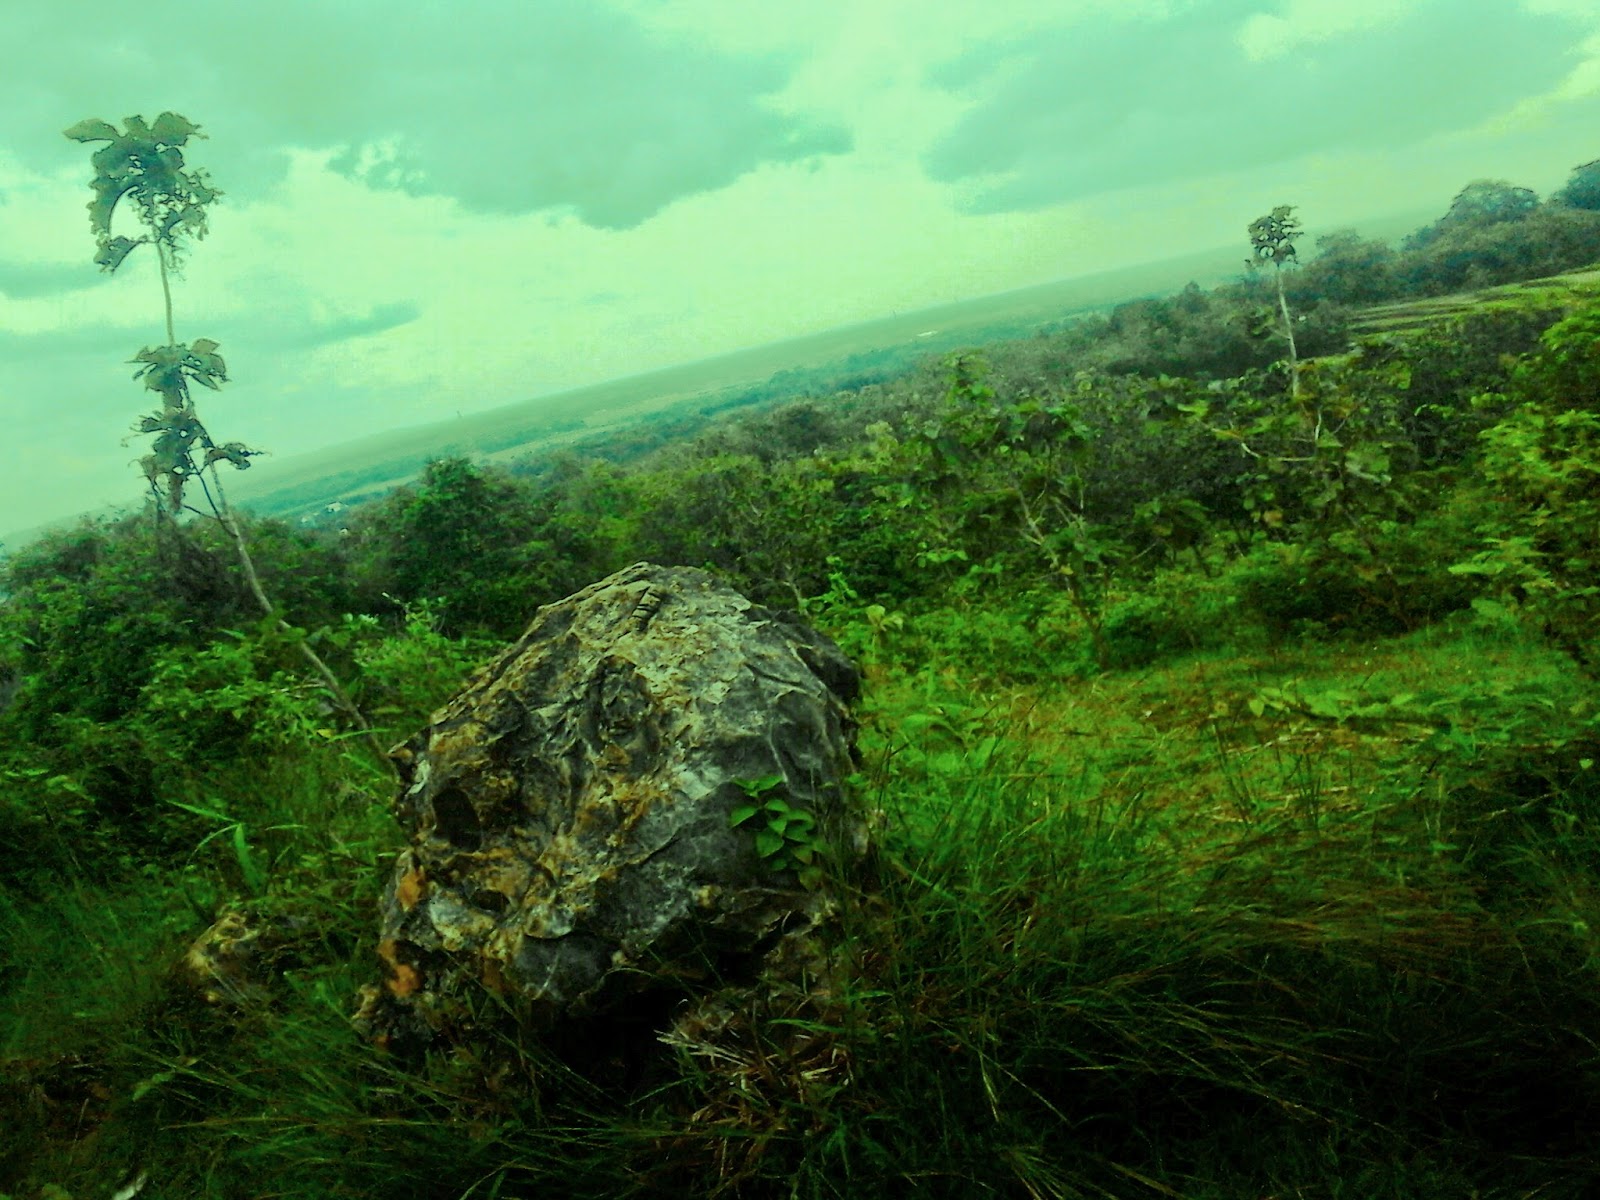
(145, 164)
(1272, 240)
(786, 837)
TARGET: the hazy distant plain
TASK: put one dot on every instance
(306, 483)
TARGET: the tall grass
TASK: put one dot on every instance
(1358, 964)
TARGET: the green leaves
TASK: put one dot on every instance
(967, 386)
(1272, 237)
(171, 128)
(251, 872)
(169, 370)
(91, 129)
(146, 162)
(114, 250)
(1543, 463)
(786, 838)
(236, 453)
(1341, 705)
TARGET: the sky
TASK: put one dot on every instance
(435, 209)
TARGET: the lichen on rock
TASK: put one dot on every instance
(569, 813)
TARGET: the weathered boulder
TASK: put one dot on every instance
(573, 813)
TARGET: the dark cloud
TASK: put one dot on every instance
(29, 281)
(1094, 108)
(383, 317)
(51, 350)
(507, 107)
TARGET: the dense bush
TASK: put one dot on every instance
(1542, 462)
(1547, 241)
(458, 539)
(88, 610)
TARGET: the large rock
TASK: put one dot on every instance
(571, 812)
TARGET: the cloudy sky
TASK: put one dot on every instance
(432, 209)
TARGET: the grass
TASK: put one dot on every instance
(1406, 315)
(1304, 922)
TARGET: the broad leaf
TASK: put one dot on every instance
(171, 128)
(755, 787)
(91, 129)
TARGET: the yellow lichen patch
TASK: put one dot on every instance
(411, 887)
(403, 977)
(406, 980)
(493, 978)
(460, 743)
(495, 790)
(502, 870)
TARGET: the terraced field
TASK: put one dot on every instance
(1415, 314)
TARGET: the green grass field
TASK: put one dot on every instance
(1252, 922)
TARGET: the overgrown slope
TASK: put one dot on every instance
(1231, 746)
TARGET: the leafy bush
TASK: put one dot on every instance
(406, 674)
(1542, 463)
(1389, 579)
(1037, 636)
(49, 826)
(457, 539)
(1546, 241)
(1175, 613)
(87, 611)
(230, 705)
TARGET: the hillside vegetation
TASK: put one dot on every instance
(1231, 733)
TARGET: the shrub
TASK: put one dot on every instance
(1543, 464)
